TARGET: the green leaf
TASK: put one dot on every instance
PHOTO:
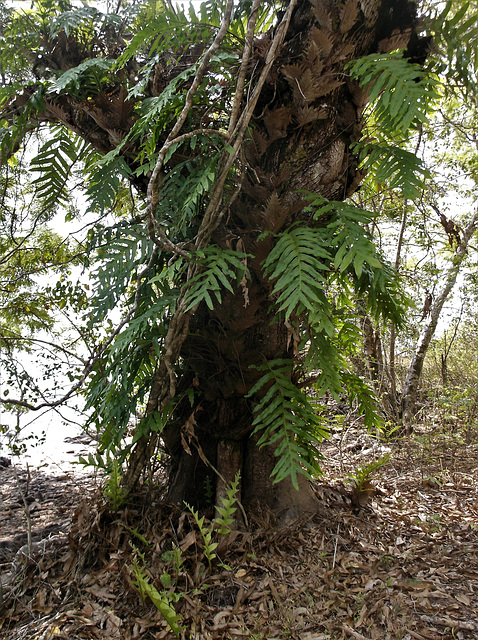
(288, 421)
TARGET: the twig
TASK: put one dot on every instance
(351, 632)
(335, 546)
(453, 624)
(421, 636)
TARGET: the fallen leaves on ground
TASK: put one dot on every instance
(401, 566)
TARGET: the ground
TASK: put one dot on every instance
(396, 560)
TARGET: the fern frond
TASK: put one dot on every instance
(455, 34)
(401, 94)
(104, 179)
(358, 391)
(54, 162)
(394, 167)
(357, 265)
(161, 600)
(296, 265)
(219, 268)
(287, 420)
(88, 78)
(71, 21)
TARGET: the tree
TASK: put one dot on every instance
(238, 261)
(437, 245)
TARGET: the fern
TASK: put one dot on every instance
(55, 162)
(401, 94)
(104, 179)
(358, 265)
(207, 533)
(360, 392)
(185, 188)
(455, 34)
(219, 267)
(287, 420)
(296, 264)
(362, 475)
(161, 600)
(71, 21)
(226, 512)
(401, 97)
(88, 78)
(171, 30)
(123, 247)
(394, 167)
(112, 491)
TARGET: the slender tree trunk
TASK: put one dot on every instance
(393, 330)
(410, 387)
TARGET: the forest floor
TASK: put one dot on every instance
(395, 561)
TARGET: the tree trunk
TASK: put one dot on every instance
(412, 381)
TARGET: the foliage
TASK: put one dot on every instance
(54, 162)
(112, 491)
(162, 600)
(226, 511)
(287, 420)
(218, 266)
(360, 478)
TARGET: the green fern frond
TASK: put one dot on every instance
(287, 420)
(358, 391)
(88, 78)
(219, 268)
(357, 264)
(161, 600)
(455, 35)
(104, 179)
(226, 512)
(401, 94)
(54, 162)
(296, 265)
(394, 167)
(74, 20)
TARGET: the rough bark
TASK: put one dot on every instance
(412, 381)
(305, 118)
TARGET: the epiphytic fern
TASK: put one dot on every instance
(455, 36)
(54, 163)
(401, 97)
(297, 264)
(401, 94)
(220, 267)
(286, 419)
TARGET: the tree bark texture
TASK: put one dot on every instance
(308, 115)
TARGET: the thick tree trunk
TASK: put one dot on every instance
(411, 385)
(211, 441)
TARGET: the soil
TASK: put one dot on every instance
(391, 554)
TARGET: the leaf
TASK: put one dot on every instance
(54, 163)
(288, 421)
(71, 81)
(296, 265)
(219, 267)
(401, 94)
